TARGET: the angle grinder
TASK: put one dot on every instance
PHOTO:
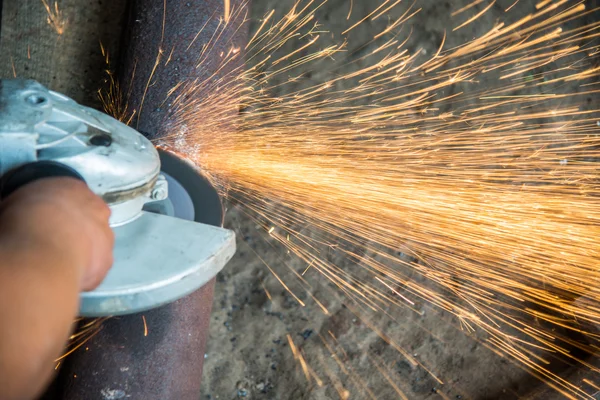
(161, 252)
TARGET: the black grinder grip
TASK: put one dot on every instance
(31, 172)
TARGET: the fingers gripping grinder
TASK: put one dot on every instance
(160, 253)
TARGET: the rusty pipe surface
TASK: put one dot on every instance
(181, 45)
(119, 361)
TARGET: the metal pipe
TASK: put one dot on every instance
(144, 39)
(119, 361)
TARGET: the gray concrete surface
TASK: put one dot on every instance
(70, 62)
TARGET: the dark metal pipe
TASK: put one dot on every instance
(120, 362)
(183, 22)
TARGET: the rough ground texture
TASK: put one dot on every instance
(70, 62)
(248, 354)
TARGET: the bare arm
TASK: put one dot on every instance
(54, 242)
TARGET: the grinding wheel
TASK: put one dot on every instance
(191, 195)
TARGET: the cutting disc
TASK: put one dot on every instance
(190, 194)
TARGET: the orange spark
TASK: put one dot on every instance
(55, 18)
(145, 325)
(227, 10)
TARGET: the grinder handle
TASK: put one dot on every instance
(34, 171)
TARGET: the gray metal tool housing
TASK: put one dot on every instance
(159, 258)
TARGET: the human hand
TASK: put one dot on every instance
(55, 241)
(62, 215)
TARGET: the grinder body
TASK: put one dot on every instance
(159, 256)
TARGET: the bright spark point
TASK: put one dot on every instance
(55, 17)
